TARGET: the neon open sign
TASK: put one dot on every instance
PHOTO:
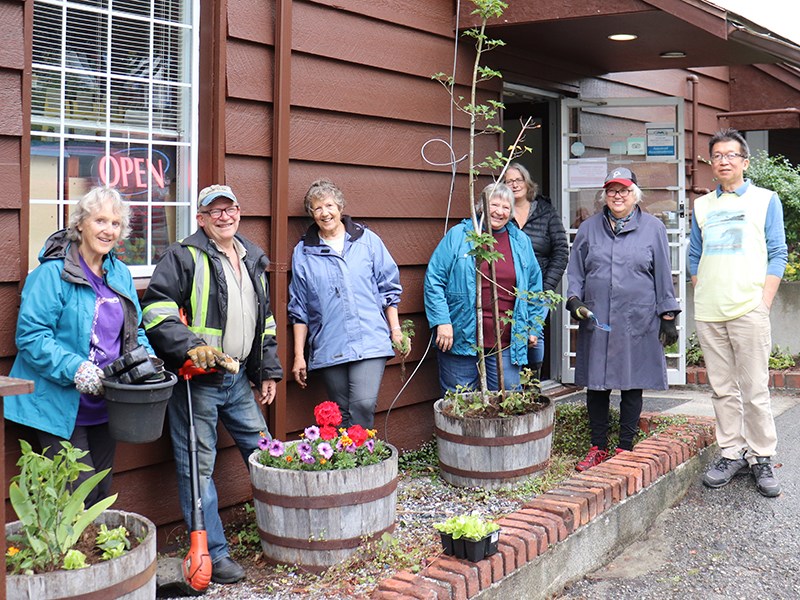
(131, 170)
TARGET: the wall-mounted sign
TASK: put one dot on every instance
(660, 141)
(636, 146)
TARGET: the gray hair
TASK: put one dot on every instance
(533, 187)
(91, 203)
(320, 190)
(496, 190)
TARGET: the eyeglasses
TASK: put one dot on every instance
(216, 213)
(513, 182)
(729, 157)
(621, 193)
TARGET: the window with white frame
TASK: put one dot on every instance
(113, 102)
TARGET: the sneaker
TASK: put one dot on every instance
(593, 458)
(766, 483)
(226, 570)
(723, 470)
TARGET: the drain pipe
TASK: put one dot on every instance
(279, 244)
(766, 111)
(695, 189)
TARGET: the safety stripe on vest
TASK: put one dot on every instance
(157, 312)
(201, 290)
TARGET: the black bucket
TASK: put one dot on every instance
(136, 412)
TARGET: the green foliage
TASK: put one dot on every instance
(246, 540)
(407, 330)
(52, 516)
(112, 542)
(472, 526)
(421, 462)
(694, 353)
(465, 402)
(776, 173)
(74, 559)
(780, 359)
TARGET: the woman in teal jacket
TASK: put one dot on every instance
(79, 312)
(450, 289)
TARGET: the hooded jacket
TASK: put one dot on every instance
(53, 334)
(450, 291)
(342, 298)
(190, 276)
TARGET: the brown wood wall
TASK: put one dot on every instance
(362, 104)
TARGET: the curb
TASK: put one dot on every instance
(787, 380)
(574, 528)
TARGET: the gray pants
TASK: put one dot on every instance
(354, 387)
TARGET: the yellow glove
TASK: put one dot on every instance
(204, 357)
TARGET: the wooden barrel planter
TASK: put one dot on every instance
(131, 576)
(493, 453)
(315, 519)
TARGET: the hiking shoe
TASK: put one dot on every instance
(593, 458)
(226, 570)
(723, 470)
(766, 483)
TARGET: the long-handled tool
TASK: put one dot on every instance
(197, 563)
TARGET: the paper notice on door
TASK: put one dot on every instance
(587, 172)
(660, 141)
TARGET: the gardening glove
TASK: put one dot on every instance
(204, 357)
(89, 379)
(577, 309)
(668, 334)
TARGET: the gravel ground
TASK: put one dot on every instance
(715, 544)
(422, 501)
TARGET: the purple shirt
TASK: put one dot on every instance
(104, 345)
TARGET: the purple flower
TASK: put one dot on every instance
(351, 449)
(275, 448)
(325, 450)
(304, 448)
(339, 446)
(263, 442)
(307, 458)
(312, 433)
(370, 444)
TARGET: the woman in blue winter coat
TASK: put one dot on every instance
(450, 300)
(343, 301)
(79, 313)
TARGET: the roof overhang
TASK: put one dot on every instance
(670, 34)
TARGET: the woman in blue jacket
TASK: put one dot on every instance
(450, 289)
(79, 312)
(343, 301)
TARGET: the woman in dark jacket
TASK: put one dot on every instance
(620, 272)
(537, 217)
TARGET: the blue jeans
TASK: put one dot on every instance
(232, 403)
(536, 353)
(455, 370)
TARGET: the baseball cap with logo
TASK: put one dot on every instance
(208, 194)
(621, 175)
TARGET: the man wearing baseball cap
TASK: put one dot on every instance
(208, 300)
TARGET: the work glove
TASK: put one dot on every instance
(577, 309)
(668, 334)
(205, 357)
(89, 379)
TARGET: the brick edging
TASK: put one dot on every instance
(789, 380)
(553, 516)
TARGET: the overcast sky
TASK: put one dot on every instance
(780, 16)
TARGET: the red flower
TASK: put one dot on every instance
(358, 434)
(327, 433)
(328, 413)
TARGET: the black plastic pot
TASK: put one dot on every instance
(447, 543)
(136, 412)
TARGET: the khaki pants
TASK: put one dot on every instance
(736, 353)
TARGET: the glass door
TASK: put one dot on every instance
(645, 135)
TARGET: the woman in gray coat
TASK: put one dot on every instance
(619, 271)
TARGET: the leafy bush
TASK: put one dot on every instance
(780, 359)
(694, 353)
(776, 173)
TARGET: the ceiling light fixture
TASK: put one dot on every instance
(673, 54)
(623, 37)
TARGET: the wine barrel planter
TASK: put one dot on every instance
(131, 576)
(493, 453)
(315, 519)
